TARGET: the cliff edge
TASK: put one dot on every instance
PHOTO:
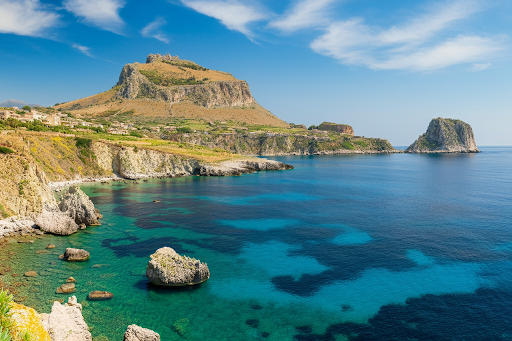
(445, 135)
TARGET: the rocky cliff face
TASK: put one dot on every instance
(132, 84)
(286, 144)
(445, 135)
(338, 128)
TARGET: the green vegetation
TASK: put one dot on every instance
(158, 79)
(184, 130)
(136, 134)
(26, 108)
(5, 150)
(186, 64)
(363, 144)
(3, 212)
(6, 333)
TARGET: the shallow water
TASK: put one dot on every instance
(362, 247)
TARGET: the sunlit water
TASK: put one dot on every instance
(365, 247)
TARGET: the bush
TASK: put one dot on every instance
(5, 150)
(83, 143)
(347, 145)
(136, 134)
(184, 130)
(312, 127)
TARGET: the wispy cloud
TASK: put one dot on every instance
(420, 44)
(480, 66)
(84, 49)
(152, 30)
(234, 14)
(305, 14)
(100, 13)
(26, 17)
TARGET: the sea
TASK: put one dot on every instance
(349, 247)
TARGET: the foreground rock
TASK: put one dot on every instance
(76, 255)
(445, 135)
(66, 322)
(56, 222)
(100, 295)
(136, 333)
(79, 207)
(168, 268)
(12, 227)
(25, 319)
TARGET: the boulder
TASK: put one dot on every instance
(100, 295)
(50, 246)
(76, 255)
(30, 274)
(56, 222)
(65, 288)
(79, 207)
(168, 268)
(136, 333)
(65, 322)
(70, 280)
(445, 135)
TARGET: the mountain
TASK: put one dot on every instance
(445, 135)
(16, 103)
(167, 86)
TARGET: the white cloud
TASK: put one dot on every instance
(480, 66)
(234, 14)
(26, 17)
(305, 14)
(420, 44)
(152, 30)
(101, 13)
(83, 49)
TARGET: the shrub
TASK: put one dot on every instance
(83, 143)
(184, 130)
(136, 134)
(361, 143)
(347, 145)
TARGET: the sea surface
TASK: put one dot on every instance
(353, 247)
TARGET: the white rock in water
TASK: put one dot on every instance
(136, 333)
(66, 322)
(56, 222)
(168, 268)
(79, 207)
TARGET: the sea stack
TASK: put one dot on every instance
(167, 268)
(445, 135)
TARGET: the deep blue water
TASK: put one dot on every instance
(362, 247)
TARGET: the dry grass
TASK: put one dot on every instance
(173, 71)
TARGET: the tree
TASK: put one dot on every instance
(26, 108)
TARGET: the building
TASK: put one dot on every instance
(52, 120)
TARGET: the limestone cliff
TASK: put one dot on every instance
(445, 135)
(338, 128)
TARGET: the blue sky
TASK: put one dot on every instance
(384, 67)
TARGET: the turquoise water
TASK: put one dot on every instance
(363, 247)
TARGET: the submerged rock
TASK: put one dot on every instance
(100, 295)
(50, 246)
(56, 222)
(445, 135)
(136, 333)
(65, 288)
(65, 322)
(30, 274)
(76, 255)
(79, 207)
(168, 268)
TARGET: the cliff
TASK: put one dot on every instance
(337, 128)
(267, 144)
(445, 135)
(41, 158)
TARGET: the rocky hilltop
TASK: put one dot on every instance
(167, 86)
(445, 135)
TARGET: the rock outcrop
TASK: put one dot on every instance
(445, 135)
(25, 319)
(78, 206)
(167, 268)
(337, 128)
(230, 93)
(100, 295)
(56, 222)
(65, 322)
(230, 168)
(75, 255)
(136, 333)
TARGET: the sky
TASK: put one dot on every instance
(385, 67)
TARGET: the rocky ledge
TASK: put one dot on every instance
(167, 268)
(445, 135)
(229, 168)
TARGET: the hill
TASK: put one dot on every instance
(168, 87)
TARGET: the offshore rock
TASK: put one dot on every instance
(78, 206)
(338, 128)
(445, 135)
(65, 288)
(167, 268)
(136, 333)
(100, 295)
(76, 255)
(56, 222)
(66, 322)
